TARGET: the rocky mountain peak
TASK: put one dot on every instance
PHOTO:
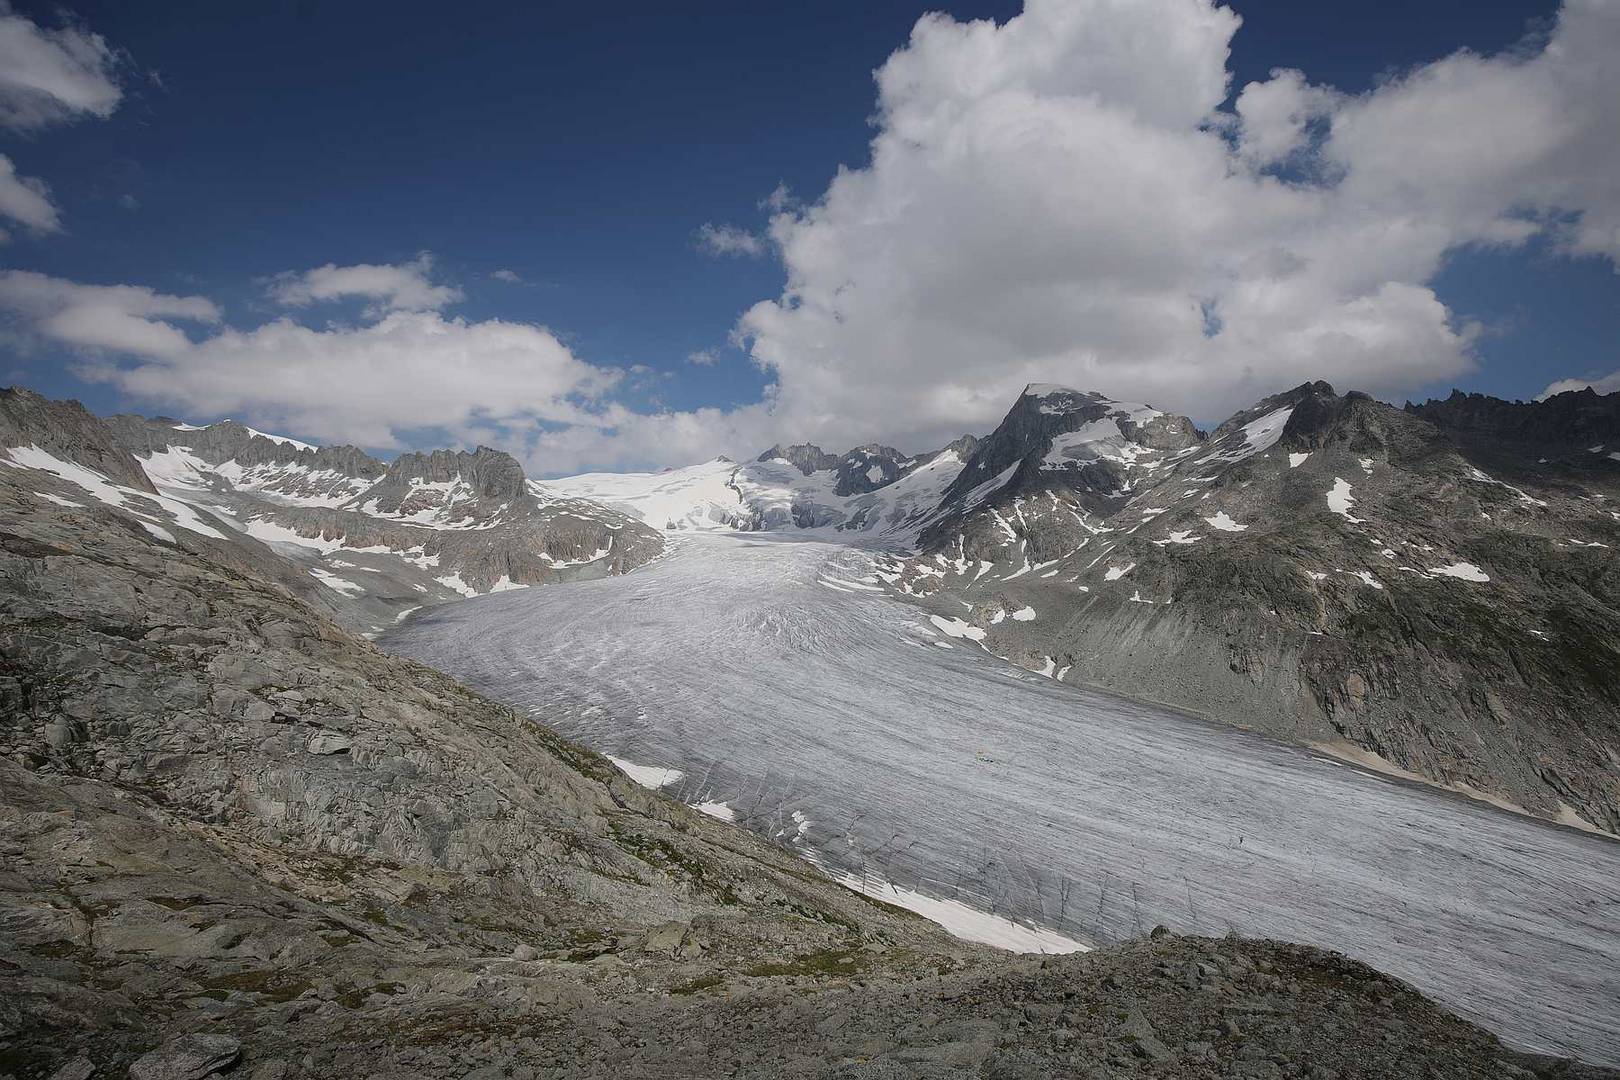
(66, 430)
(877, 450)
(869, 467)
(1080, 440)
(492, 474)
(1313, 416)
(806, 457)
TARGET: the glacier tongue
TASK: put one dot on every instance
(827, 719)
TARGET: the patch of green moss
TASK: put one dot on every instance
(705, 982)
(817, 915)
(271, 985)
(352, 997)
(822, 962)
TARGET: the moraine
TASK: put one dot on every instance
(778, 680)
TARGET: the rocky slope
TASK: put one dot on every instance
(1322, 567)
(233, 837)
(384, 540)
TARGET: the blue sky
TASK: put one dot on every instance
(583, 153)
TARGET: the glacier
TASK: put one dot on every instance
(764, 672)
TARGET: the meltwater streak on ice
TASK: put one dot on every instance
(763, 670)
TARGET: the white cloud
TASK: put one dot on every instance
(703, 357)
(1603, 384)
(781, 198)
(128, 319)
(26, 200)
(1062, 198)
(393, 287)
(511, 277)
(1273, 115)
(373, 384)
(729, 240)
(53, 76)
(370, 384)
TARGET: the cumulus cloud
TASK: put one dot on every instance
(1603, 384)
(1063, 197)
(370, 384)
(729, 240)
(1273, 115)
(392, 287)
(125, 319)
(703, 357)
(26, 200)
(51, 76)
(511, 277)
(375, 383)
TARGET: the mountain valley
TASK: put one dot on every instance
(235, 834)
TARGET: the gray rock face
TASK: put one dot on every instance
(491, 478)
(80, 1068)
(190, 1057)
(69, 431)
(1328, 569)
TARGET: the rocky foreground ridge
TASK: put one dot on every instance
(1432, 590)
(237, 839)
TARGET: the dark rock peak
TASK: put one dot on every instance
(1043, 412)
(1571, 421)
(67, 430)
(1321, 417)
(1315, 398)
(806, 457)
(876, 450)
(493, 474)
(1058, 397)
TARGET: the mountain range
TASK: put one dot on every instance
(377, 541)
(236, 836)
(1428, 590)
